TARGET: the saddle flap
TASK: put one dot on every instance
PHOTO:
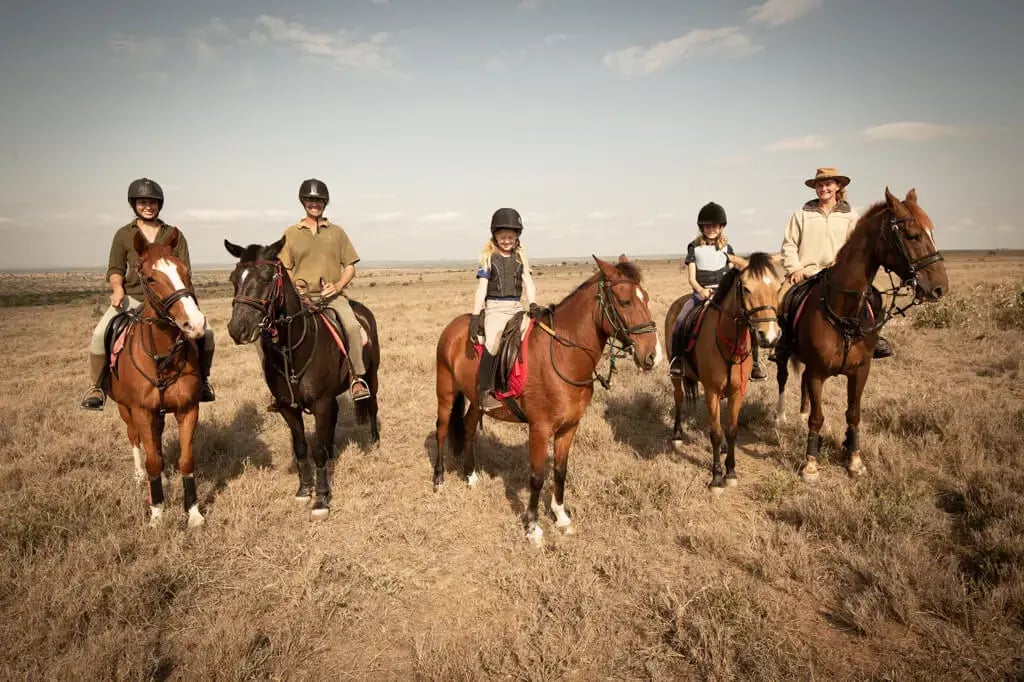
(117, 330)
(508, 351)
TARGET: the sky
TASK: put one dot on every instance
(606, 123)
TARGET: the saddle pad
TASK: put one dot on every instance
(517, 374)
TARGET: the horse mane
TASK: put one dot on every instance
(759, 265)
(864, 223)
(627, 269)
(725, 286)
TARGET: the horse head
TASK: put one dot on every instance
(258, 279)
(625, 312)
(758, 285)
(167, 285)
(908, 247)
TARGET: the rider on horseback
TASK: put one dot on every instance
(503, 275)
(320, 257)
(708, 258)
(815, 234)
(146, 199)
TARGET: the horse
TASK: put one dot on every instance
(835, 329)
(157, 371)
(562, 361)
(304, 368)
(743, 309)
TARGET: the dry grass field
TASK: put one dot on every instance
(915, 571)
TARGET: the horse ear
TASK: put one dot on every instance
(912, 195)
(234, 249)
(622, 258)
(607, 268)
(271, 251)
(139, 243)
(891, 200)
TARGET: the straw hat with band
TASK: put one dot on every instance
(827, 174)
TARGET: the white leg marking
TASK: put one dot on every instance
(659, 354)
(472, 480)
(562, 519)
(535, 535)
(156, 515)
(780, 409)
(195, 519)
(140, 469)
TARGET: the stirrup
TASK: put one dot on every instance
(92, 401)
(675, 367)
(357, 394)
(206, 394)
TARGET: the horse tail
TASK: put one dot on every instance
(457, 424)
(690, 390)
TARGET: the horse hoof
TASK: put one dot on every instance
(535, 535)
(677, 444)
(438, 487)
(301, 498)
(472, 480)
(732, 482)
(809, 476)
(716, 490)
(320, 514)
(196, 521)
(156, 516)
(569, 529)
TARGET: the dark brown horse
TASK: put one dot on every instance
(157, 371)
(562, 358)
(838, 327)
(744, 310)
(304, 367)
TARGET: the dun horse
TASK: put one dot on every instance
(831, 326)
(157, 371)
(562, 361)
(743, 311)
(303, 365)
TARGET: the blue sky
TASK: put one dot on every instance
(607, 123)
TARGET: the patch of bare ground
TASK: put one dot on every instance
(913, 572)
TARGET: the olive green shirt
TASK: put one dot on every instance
(123, 257)
(314, 255)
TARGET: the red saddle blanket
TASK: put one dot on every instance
(517, 375)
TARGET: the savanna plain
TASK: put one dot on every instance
(915, 571)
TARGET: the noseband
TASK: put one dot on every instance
(620, 330)
(274, 299)
(896, 233)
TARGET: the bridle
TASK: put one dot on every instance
(745, 320)
(275, 298)
(620, 331)
(162, 306)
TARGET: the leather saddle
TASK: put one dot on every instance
(117, 327)
(509, 348)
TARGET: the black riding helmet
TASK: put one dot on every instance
(314, 189)
(144, 188)
(506, 219)
(711, 214)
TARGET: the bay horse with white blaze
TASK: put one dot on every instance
(157, 371)
(303, 365)
(562, 361)
(743, 311)
(831, 324)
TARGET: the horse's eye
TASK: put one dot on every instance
(914, 237)
(625, 304)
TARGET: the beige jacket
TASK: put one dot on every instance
(813, 239)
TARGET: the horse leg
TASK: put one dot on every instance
(782, 376)
(563, 441)
(814, 423)
(133, 438)
(473, 416)
(711, 400)
(293, 417)
(186, 464)
(731, 431)
(150, 427)
(326, 414)
(677, 396)
(805, 396)
(854, 389)
(539, 437)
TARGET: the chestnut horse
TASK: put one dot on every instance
(837, 329)
(157, 371)
(744, 308)
(302, 364)
(562, 357)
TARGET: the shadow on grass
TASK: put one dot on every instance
(638, 423)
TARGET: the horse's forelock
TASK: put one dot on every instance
(629, 270)
(760, 265)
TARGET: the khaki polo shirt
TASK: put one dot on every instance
(123, 257)
(311, 255)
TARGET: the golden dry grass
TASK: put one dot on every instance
(914, 572)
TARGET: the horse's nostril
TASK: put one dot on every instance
(937, 292)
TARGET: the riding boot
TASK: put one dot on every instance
(675, 366)
(882, 349)
(205, 364)
(485, 382)
(756, 372)
(95, 397)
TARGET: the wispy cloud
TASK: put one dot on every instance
(728, 41)
(385, 217)
(440, 217)
(796, 144)
(909, 131)
(556, 38)
(206, 41)
(340, 48)
(135, 47)
(775, 13)
(234, 215)
(600, 215)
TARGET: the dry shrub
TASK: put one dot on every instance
(1008, 308)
